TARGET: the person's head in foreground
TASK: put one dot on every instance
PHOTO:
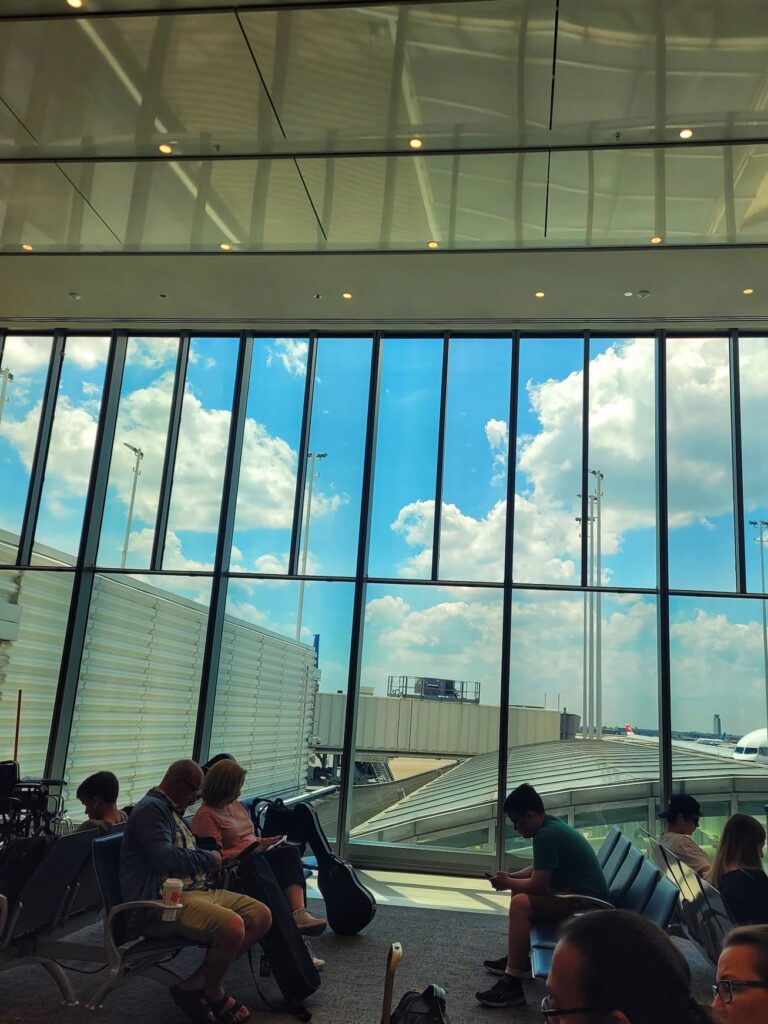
(525, 809)
(98, 795)
(614, 966)
(741, 992)
(682, 815)
(223, 783)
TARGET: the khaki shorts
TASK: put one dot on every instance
(205, 914)
(549, 907)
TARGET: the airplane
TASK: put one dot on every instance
(752, 747)
(630, 734)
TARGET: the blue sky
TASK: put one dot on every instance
(446, 630)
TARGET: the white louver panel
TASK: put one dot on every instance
(264, 707)
(139, 684)
(31, 662)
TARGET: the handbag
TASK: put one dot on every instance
(425, 1007)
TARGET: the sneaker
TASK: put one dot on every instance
(506, 992)
(307, 924)
(496, 966)
(319, 964)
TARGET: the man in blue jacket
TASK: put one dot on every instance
(158, 845)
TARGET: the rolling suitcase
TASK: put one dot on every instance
(394, 956)
(285, 954)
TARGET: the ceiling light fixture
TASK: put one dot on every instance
(748, 291)
(76, 296)
(416, 143)
(686, 133)
(433, 245)
(165, 148)
(27, 247)
(539, 295)
(628, 295)
(77, 4)
(657, 240)
(225, 246)
(346, 295)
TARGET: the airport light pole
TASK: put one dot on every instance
(313, 457)
(598, 729)
(761, 525)
(139, 454)
(5, 379)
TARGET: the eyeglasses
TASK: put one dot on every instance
(549, 1010)
(725, 988)
(191, 786)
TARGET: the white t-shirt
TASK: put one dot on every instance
(685, 850)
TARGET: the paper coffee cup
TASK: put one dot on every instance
(171, 897)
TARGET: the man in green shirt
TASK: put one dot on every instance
(564, 879)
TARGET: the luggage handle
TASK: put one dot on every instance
(394, 956)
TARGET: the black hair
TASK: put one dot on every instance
(523, 799)
(683, 804)
(613, 945)
(103, 784)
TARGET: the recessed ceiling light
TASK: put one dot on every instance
(346, 295)
(657, 240)
(628, 295)
(162, 295)
(539, 295)
(27, 247)
(165, 148)
(415, 143)
(225, 246)
(686, 133)
(748, 291)
(75, 3)
(75, 295)
(433, 245)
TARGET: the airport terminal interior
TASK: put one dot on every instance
(383, 391)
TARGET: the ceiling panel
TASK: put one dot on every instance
(40, 207)
(454, 74)
(128, 84)
(647, 69)
(12, 8)
(164, 206)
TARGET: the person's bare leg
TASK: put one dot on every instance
(256, 927)
(295, 896)
(518, 932)
(210, 973)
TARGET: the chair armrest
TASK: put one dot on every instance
(110, 946)
(3, 915)
(598, 903)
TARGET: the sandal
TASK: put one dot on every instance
(193, 1003)
(234, 1013)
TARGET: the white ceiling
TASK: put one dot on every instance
(290, 125)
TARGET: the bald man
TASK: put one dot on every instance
(158, 845)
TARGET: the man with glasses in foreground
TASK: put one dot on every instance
(158, 845)
(614, 967)
(741, 992)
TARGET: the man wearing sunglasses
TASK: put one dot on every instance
(158, 845)
(741, 992)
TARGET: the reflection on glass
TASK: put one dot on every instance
(428, 719)
(137, 697)
(700, 482)
(474, 509)
(23, 371)
(68, 468)
(548, 477)
(34, 607)
(265, 497)
(280, 704)
(331, 517)
(403, 512)
(622, 525)
(753, 378)
(136, 466)
(193, 519)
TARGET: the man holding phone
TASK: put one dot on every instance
(564, 879)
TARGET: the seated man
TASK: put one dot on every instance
(565, 878)
(614, 966)
(682, 817)
(158, 845)
(741, 992)
(98, 795)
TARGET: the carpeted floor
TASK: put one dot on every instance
(441, 946)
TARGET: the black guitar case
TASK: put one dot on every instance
(289, 959)
(349, 906)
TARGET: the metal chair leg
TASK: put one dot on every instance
(112, 981)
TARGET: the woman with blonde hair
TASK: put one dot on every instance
(223, 819)
(737, 870)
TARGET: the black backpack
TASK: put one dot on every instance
(18, 859)
(426, 1007)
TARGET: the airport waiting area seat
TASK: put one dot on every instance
(634, 883)
(704, 915)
